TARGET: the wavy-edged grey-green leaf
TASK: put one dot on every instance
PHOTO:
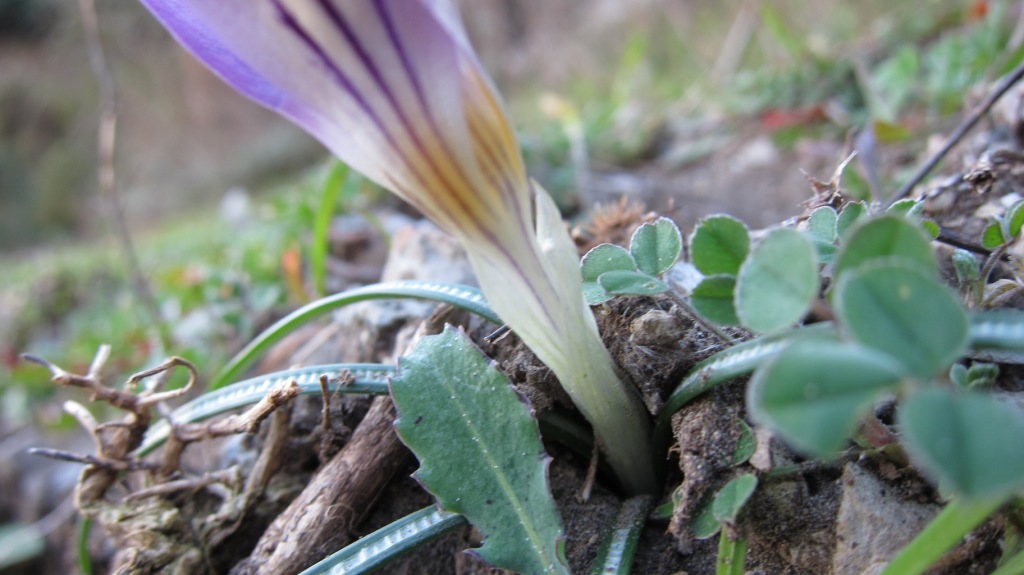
(657, 246)
(465, 297)
(388, 543)
(368, 378)
(729, 364)
(615, 556)
(480, 452)
(1001, 330)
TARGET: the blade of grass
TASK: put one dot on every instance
(84, 560)
(1015, 566)
(388, 542)
(465, 297)
(727, 365)
(615, 556)
(336, 180)
(369, 378)
(732, 555)
(949, 527)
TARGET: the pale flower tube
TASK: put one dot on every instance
(393, 89)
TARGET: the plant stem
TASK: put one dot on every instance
(948, 528)
(732, 553)
(977, 114)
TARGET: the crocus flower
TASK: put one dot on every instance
(393, 88)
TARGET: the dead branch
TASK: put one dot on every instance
(997, 92)
(107, 145)
(321, 519)
(226, 476)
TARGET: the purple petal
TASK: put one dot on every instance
(390, 86)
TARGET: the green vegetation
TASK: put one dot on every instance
(830, 318)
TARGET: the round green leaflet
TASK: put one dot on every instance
(777, 282)
(891, 305)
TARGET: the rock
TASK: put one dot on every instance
(874, 523)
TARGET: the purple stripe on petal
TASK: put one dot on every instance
(180, 19)
(456, 190)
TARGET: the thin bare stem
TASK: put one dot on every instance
(107, 145)
(958, 134)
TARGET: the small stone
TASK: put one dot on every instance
(655, 328)
(874, 523)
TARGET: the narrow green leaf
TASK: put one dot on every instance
(601, 259)
(883, 237)
(479, 451)
(822, 224)
(322, 225)
(1002, 330)
(622, 282)
(388, 543)
(615, 556)
(1012, 566)
(812, 392)
(899, 310)
(956, 520)
(20, 543)
(852, 212)
(970, 442)
(714, 298)
(719, 245)
(732, 554)
(993, 236)
(732, 497)
(465, 297)
(368, 378)
(656, 247)
(777, 282)
(727, 365)
(82, 545)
